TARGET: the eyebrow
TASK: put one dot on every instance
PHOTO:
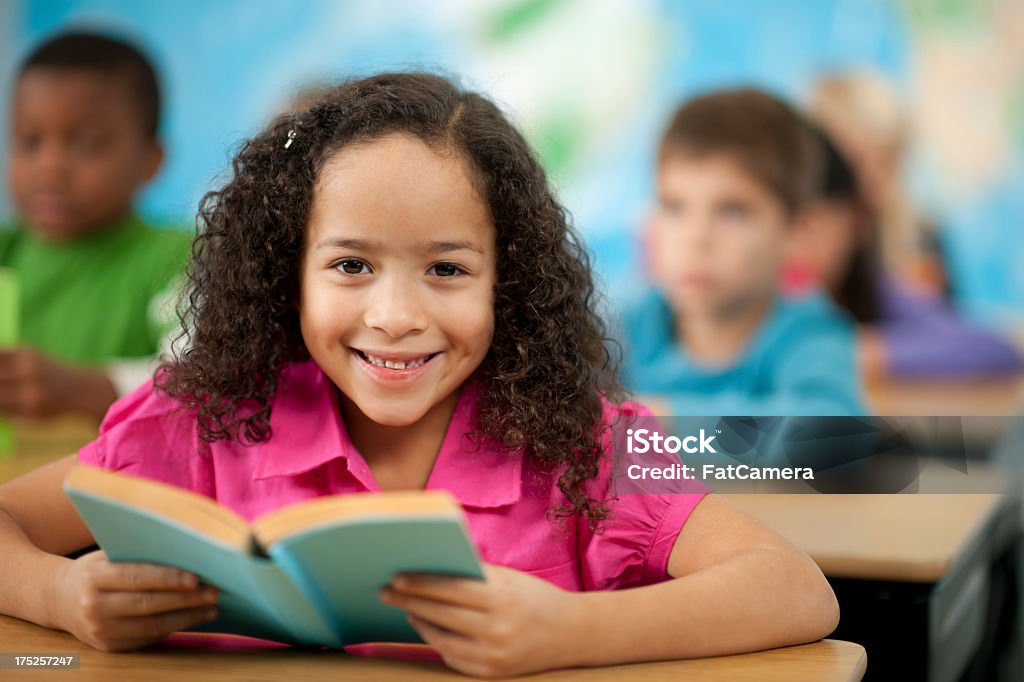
(430, 248)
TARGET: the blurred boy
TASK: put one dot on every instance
(92, 275)
(715, 337)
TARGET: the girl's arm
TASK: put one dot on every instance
(37, 525)
(738, 587)
(108, 606)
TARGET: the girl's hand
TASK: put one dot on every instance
(116, 607)
(510, 623)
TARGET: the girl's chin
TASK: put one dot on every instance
(385, 414)
(391, 420)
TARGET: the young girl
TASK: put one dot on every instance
(905, 331)
(387, 296)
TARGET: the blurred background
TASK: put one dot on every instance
(592, 85)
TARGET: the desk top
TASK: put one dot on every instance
(39, 442)
(216, 657)
(910, 538)
(996, 396)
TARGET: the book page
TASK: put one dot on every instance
(185, 507)
(341, 509)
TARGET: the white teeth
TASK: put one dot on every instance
(395, 364)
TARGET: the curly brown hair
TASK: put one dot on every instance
(549, 363)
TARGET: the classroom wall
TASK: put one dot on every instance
(592, 83)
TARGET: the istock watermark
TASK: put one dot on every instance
(827, 454)
(641, 441)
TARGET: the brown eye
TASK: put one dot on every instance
(352, 266)
(446, 270)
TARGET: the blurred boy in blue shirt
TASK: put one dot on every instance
(714, 336)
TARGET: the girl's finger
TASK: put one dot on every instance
(467, 592)
(457, 619)
(151, 628)
(134, 577)
(450, 645)
(126, 604)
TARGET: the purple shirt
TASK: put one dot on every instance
(505, 495)
(925, 337)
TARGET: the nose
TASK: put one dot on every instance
(698, 234)
(51, 162)
(395, 308)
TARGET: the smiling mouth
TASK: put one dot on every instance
(387, 363)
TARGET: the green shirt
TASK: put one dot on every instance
(98, 298)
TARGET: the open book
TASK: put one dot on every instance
(308, 573)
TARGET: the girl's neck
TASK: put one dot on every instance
(400, 457)
(718, 339)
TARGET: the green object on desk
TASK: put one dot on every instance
(9, 318)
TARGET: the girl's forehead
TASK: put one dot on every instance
(390, 150)
(397, 182)
(405, 219)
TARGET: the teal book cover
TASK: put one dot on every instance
(307, 574)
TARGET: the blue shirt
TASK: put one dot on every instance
(801, 361)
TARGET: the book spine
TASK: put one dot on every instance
(308, 587)
(291, 604)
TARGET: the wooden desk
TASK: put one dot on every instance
(905, 538)
(913, 573)
(212, 657)
(39, 442)
(998, 396)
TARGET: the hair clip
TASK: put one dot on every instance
(291, 138)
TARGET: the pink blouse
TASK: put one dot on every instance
(505, 495)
